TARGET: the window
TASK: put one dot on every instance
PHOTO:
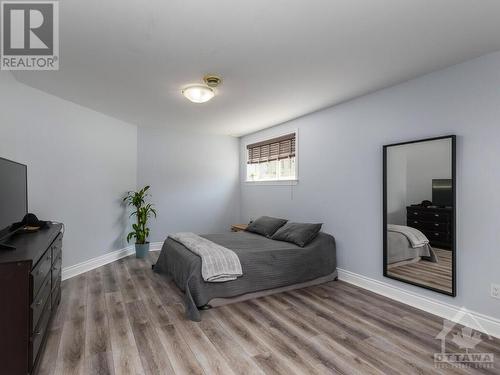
(273, 159)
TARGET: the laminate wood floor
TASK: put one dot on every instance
(124, 319)
(437, 275)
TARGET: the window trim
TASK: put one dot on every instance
(266, 138)
(273, 182)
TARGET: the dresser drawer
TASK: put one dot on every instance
(41, 271)
(56, 295)
(428, 216)
(39, 302)
(419, 224)
(56, 270)
(56, 247)
(437, 236)
(39, 333)
(440, 217)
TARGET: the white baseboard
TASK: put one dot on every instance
(77, 269)
(155, 246)
(477, 321)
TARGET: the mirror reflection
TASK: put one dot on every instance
(420, 213)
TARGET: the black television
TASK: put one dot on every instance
(442, 192)
(13, 194)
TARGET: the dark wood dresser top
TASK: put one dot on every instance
(28, 245)
(430, 208)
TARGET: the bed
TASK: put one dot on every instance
(400, 250)
(268, 266)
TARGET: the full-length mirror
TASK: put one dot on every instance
(419, 213)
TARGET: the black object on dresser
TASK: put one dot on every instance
(30, 291)
(434, 222)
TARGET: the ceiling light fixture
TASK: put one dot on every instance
(201, 93)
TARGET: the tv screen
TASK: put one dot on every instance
(442, 192)
(13, 193)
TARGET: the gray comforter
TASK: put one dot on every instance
(266, 264)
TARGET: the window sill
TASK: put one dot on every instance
(274, 182)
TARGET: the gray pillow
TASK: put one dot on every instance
(265, 225)
(300, 234)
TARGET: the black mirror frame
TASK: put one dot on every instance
(454, 222)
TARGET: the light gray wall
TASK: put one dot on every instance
(341, 185)
(194, 180)
(80, 163)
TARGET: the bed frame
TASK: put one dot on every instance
(216, 302)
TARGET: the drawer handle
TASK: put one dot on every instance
(39, 303)
(38, 333)
(436, 234)
(415, 222)
(415, 213)
(436, 215)
(436, 225)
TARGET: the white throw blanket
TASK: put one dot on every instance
(416, 238)
(218, 263)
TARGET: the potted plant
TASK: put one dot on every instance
(143, 211)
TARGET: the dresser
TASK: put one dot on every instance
(435, 223)
(30, 291)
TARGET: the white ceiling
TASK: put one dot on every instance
(279, 58)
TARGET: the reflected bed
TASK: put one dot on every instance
(400, 251)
